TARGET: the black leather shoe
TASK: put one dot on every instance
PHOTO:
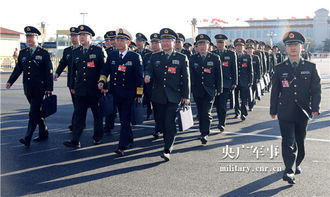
(97, 142)
(166, 156)
(120, 152)
(243, 117)
(40, 139)
(289, 178)
(25, 141)
(298, 170)
(204, 140)
(71, 144)
(221, 128)
(156, 135)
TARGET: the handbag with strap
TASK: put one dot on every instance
(138, 111)
(49, 105)
(185, 117)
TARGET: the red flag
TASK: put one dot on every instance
(307, 17)
(265, 18)
(205, 20)
(215, 21)
(250, 19)
(222, 21)
(293, 18)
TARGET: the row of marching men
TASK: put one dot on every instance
(165, 75)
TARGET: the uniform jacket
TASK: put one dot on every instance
(229, 67)
(126, 74)
(294, 87)
(171, 77)
(37, 70)
(66, 61)
(245, 70)
(86, 70)
(205, 75)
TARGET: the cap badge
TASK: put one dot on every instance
(291, 35)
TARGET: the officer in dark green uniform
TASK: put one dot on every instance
(179, 45)
(126, 84)
(187, 46)
(110, 42)
(141, 41)
(155, 47)
(295, 98)
(245, 79)
(37, 69)
(230, 78)
(256, 74)
(206, 82)
(278, 55)
(87, 62)
(171, 86)
(66, 61)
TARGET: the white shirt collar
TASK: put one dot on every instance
(124, 53)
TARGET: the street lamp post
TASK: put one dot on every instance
(271, 35)
(83, 15)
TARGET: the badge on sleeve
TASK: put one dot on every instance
(171, 70)
(90, 64)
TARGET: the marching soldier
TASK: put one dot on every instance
(179, 45)
(109, 41)
(87, 62)
(37, 69)
(256, 74)
(110, 45)
(278, 55)
(171, 86)
(187, 46)
(206, 82)
(66, 61)
(141, 41)
(126, 81)
(155, 46)
(230, 78)
(295, 97)
(245, 79)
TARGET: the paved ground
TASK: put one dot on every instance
(227, 166)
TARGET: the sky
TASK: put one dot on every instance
(145, 16)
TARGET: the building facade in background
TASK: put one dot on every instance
(316, 29)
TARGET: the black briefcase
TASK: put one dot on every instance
(138, 112)
(49, 105)
(107, 106)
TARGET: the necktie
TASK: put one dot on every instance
(203, 57)
(294, 64)
(85, 51)
(31, 51)
(167, 56)
(121, 56)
